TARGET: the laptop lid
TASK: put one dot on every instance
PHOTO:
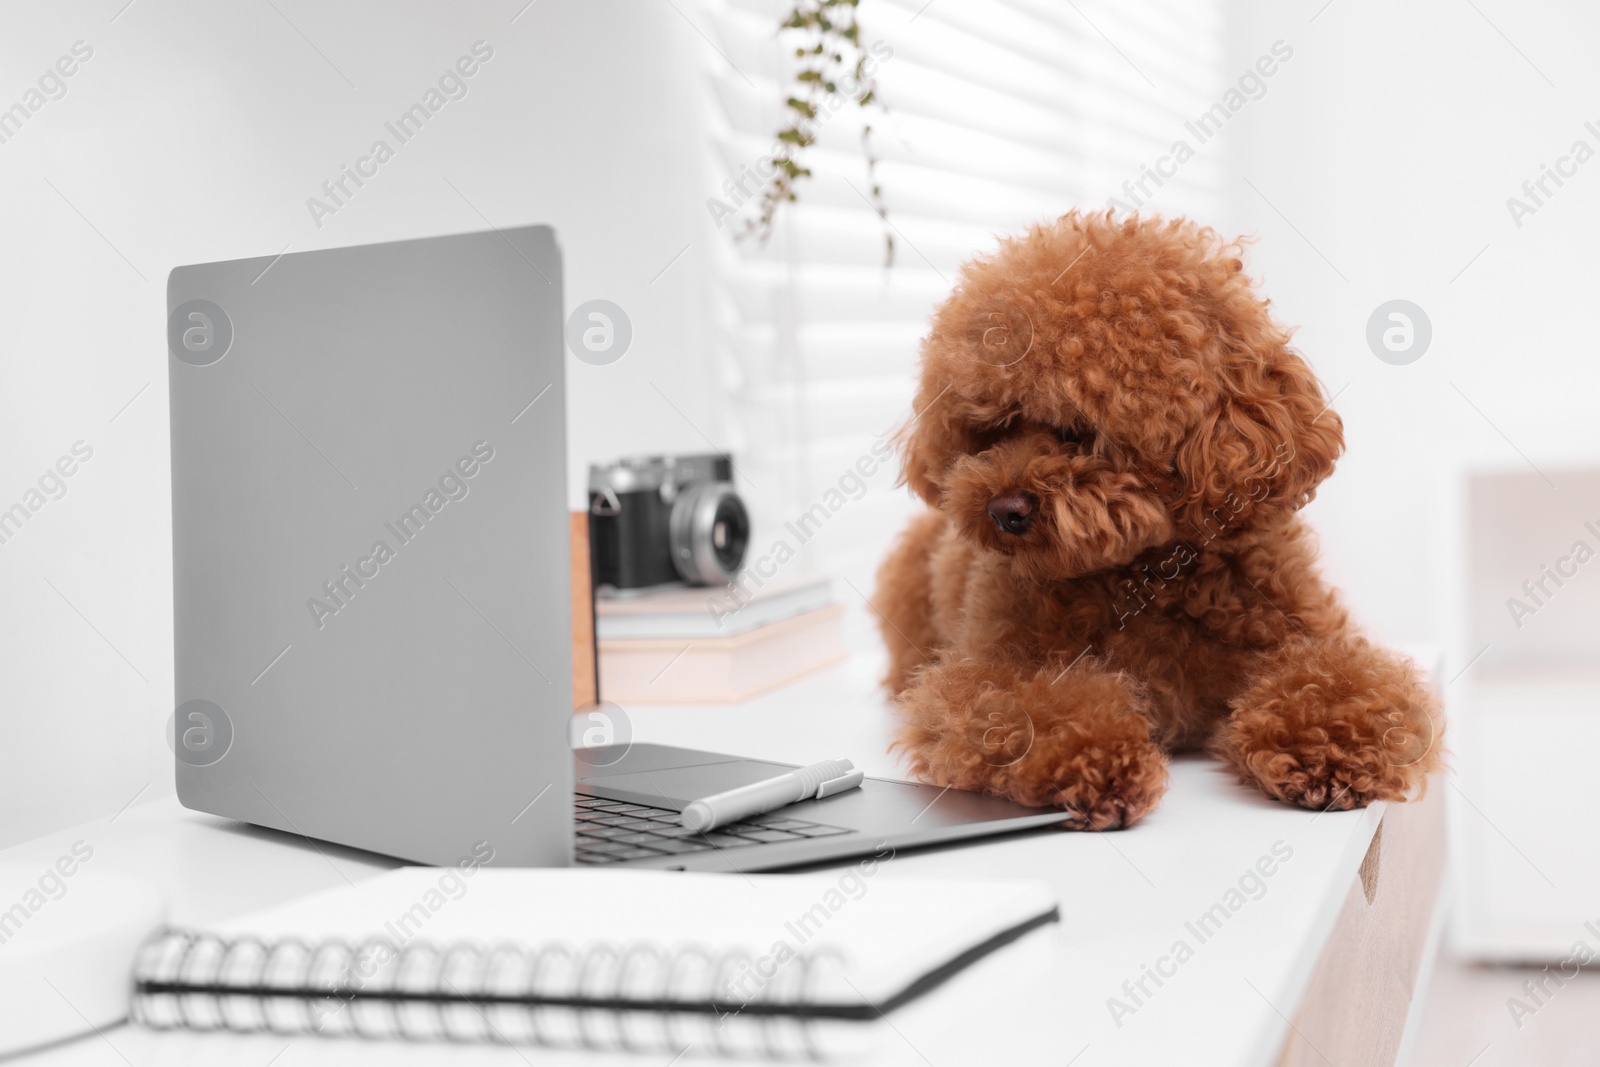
(370, 545)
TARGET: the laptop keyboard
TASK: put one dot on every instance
(610, 831)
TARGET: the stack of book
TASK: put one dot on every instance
(682, 644)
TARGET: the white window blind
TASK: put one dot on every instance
(1000, 113)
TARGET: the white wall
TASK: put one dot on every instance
(1391, 143)
(197, 132)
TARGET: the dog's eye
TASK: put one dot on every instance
(1076, 434)
(991, 435)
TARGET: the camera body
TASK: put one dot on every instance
(659, 519)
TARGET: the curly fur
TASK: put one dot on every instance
(1127, 379)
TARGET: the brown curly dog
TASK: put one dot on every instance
(1114, 437)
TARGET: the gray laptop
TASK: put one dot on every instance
(372, 588)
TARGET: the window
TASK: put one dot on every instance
(1000, 113)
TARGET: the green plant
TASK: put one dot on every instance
(831, 60)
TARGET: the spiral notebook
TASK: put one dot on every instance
(778, 965)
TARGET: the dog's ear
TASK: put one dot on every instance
(1260, 453)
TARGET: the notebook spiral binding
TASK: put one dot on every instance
(634, 997)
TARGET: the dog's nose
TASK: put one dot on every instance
(1012, 513)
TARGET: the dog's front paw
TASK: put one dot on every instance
(1073, 738)
(1334, 725)
(1313, 772)
(1107, 782)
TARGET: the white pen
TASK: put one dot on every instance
(803, 783)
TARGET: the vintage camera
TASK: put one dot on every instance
(656, 519)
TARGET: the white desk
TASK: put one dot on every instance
(1127, 899)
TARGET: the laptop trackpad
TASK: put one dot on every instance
(675, 787)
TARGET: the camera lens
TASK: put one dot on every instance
(710, 531)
